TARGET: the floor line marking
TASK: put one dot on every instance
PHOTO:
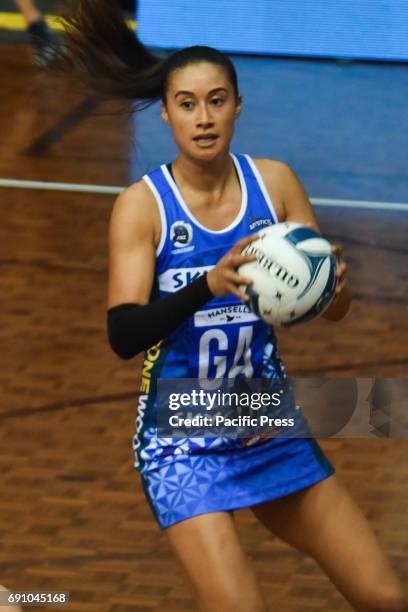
(360, 204)
(50, 186)
(15, 21)
(112, 189)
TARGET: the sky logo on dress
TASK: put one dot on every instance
(177, 278)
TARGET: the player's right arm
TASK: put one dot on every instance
(134, 324)
(134, 234)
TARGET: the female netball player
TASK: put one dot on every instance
(175, 245)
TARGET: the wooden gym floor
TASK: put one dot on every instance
(73, 516)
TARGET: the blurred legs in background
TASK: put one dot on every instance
(43, 40)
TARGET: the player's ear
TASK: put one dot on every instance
(238, 107)
(164, 113)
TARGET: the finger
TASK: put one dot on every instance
(341, 270)
(241, 244)
(339, 287)
(238, 293)
(234, 261)
(244, 297)
(232, 278)
(239, 280)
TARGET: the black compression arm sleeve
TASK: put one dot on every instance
(133, 328)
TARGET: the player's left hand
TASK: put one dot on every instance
(341, 270)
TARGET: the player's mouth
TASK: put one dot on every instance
(205, 140)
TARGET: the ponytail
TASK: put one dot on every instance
(104, 53)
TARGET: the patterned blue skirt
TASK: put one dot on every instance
(188, 485)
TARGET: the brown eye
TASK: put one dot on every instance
(217, 101)
(187, 104)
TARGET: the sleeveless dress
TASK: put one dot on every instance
(185, 477)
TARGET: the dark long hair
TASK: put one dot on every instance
(105, 54)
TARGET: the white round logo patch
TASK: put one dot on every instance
(181, 234)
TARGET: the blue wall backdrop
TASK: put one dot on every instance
(365, 29)
(342, 127)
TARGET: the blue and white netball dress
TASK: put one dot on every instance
(185, 477)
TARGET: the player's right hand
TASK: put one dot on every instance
(224, 278)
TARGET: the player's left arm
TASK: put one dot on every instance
(295, 206)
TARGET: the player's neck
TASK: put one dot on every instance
(203, 176)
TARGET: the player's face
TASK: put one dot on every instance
(201, 107)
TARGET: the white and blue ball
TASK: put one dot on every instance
(294, 275)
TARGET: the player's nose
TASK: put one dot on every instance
(204, 118)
